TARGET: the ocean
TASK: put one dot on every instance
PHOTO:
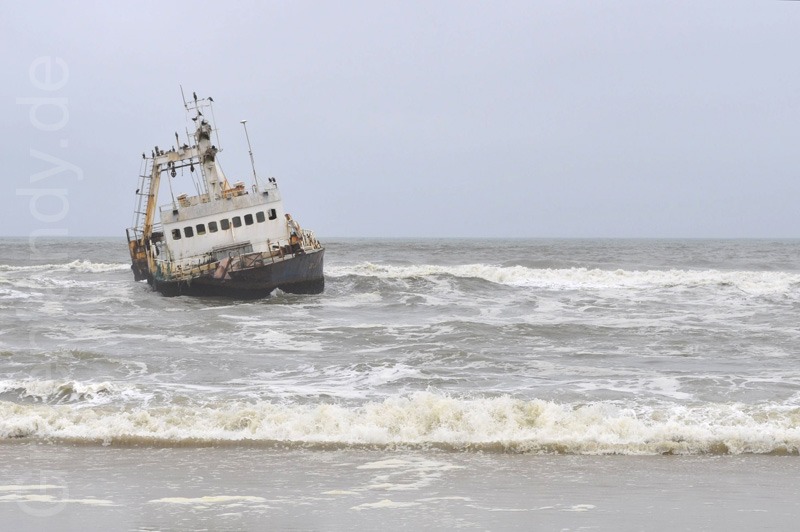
(452, 384)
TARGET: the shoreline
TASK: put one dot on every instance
(238, 488)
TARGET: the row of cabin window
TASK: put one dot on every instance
(224, 224)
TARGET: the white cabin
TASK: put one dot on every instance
(197, 226)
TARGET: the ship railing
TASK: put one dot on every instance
(186, 269)
(207, 264)
(134, 234)
(137, 233)
(184, 200)
(309, 240)
(280, 249)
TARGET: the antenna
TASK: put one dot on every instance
(252, 162)
(214, 121)
(183, 97)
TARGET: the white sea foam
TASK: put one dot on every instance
(209, 500)
(9, 293)
(752, 282)
(343, 382)
(580, 508)
(29, 487)
(383, 504)
(80, 266)
(260, 335)
(58, 391)
(654, 386)
(50, 499)
(22, 493)
(501, 424)
(405, 474)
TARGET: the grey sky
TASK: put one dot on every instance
(422, 118)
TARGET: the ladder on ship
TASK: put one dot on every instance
(137, 239)
(143, 195)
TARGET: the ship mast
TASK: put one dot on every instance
(252, 162)
(214, 182)
(208, 156)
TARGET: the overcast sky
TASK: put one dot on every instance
(417, 118)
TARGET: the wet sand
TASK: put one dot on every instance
(64, 487)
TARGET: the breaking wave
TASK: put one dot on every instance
(80, 266)
(59, 392)
(426, 420)
(755, 282)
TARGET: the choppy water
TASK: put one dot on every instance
(554, 346)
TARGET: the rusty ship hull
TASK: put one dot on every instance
(299, 274)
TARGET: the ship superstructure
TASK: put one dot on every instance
(227, 239)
